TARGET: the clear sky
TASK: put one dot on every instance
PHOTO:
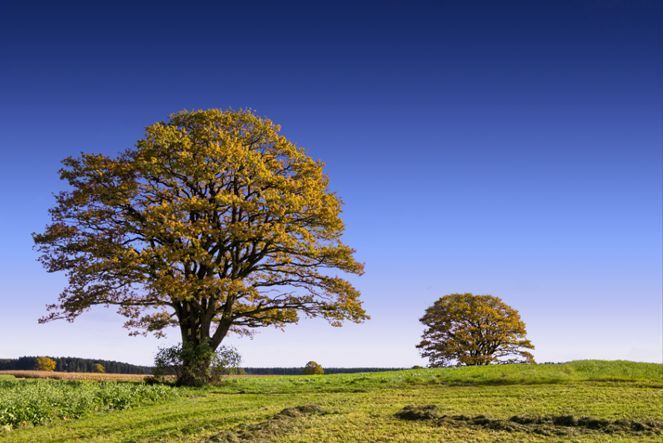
(509, 148)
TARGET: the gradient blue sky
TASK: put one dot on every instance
(510, 148)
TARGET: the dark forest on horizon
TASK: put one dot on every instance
(76, 364)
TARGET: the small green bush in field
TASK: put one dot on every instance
(313, 368)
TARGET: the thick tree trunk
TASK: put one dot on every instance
(198, 348)
(195, 354)
(196, 358)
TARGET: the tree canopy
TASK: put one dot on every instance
(214, 222)
(466, 329)
(313, 368)
(45, 364)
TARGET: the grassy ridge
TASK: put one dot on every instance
(363, 407)
(576, 371)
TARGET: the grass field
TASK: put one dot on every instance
(578, 401)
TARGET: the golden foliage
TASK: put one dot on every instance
(213, 222)
(45, 364)
(468, 329)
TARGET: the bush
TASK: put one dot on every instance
(45, 364)
(196, 366)
(313, 368)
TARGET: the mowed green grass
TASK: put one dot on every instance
(361, 407)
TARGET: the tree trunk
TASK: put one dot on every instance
(198, 349)
(198, 345)
(196, 358)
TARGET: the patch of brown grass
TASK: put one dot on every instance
(75, 375)
(57, 375)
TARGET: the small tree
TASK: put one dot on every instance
(313, 368)
(99, 368)
(45, 364)
(466, 329)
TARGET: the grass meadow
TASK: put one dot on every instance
(584, 401)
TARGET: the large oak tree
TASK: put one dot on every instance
(467, 329)
(214, 223)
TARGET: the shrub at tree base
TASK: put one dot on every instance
(196, 366)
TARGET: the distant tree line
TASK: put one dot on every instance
(300, 371)
(75, 364)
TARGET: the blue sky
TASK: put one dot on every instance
(510, 148)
